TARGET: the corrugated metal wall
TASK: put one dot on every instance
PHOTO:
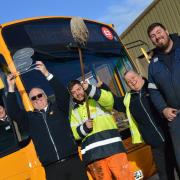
(166, 12)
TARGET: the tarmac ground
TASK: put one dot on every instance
(156, 177)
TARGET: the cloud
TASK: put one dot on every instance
(124, 13)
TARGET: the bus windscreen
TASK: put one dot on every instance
(56, 32)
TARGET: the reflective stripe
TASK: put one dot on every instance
(93, 116)
(82, 130)
(78, 117)
(155, 59)
(50, 76)
(100, 143)
(75, 124)
(92, 92)
(152, 86)
(99, 112)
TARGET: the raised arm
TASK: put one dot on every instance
(61, 93)
(103, 97)
(13, 110)
(118, 101)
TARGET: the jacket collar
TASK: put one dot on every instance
(4, 119)
(46, 109)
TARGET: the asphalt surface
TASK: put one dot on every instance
(155, 177)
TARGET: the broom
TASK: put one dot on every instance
(80, 35)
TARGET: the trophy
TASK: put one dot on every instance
(23, 62)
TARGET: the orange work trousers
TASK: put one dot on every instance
(114, 167)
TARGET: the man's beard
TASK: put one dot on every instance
(79, 101)
(163, 47)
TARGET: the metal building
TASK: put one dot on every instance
(166, 12)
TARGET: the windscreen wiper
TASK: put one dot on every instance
(97, 51)
(53, 55)
(45, 53)
(107, 53)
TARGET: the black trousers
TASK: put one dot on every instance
(174, 130)
(70, 169)
(160, 159)
(171, 146)
(165, 161)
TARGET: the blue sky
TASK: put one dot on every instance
(121, 13)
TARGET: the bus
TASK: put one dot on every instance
(50, 38)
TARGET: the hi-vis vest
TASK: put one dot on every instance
(99, 112)
(104, 140)
(135, 134)
(102, 120)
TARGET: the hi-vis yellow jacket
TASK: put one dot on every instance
(104, 139)
(135, 134)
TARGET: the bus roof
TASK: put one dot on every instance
(48, 17)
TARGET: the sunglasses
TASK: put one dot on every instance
(33, 98)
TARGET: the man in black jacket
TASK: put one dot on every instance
(147, 119)
(164, 79)
(49, 128)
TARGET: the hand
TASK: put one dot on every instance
(99, 82)
(169, 113)
(85, 85)
(11, 82)
(41, 67)
(89, 123)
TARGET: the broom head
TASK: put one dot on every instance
(79, 31)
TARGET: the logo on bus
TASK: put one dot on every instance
(107, 33)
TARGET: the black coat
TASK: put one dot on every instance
(7, 135)
(164, 77)
(50, 130)
(146, 116)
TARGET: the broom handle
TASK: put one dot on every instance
(83, 78)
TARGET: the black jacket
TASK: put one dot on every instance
(7, 135)
(164, 77)
(144, 113)
(50, 130)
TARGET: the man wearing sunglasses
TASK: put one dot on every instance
(49, 128)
